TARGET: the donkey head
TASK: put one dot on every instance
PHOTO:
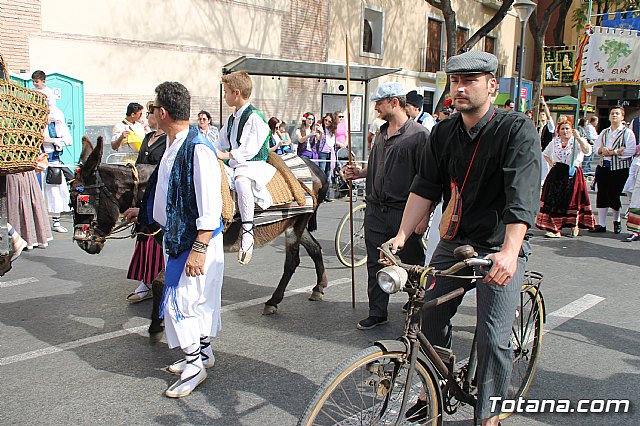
(94, 212)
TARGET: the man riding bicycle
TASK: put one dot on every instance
(490, 158)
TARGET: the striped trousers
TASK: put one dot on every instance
(496, 308)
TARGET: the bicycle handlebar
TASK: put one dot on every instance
(469, 262)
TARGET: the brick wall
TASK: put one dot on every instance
(19, 19)
(303, 37)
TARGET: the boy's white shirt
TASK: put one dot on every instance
(254, 134)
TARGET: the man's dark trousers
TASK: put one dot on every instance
(381, 224)
(496, 308)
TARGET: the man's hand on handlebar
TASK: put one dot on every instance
(395, 244)
(503, 269)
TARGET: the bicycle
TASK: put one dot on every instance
(380, 383)
(342, 240)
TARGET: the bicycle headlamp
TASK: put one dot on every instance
(392, 279)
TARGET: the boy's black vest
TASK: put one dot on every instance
(264, 150)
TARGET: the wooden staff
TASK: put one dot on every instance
(353, 269)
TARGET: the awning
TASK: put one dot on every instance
(567, 104)
(501, 99)
(305, 69)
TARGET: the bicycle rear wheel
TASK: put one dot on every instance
(526, 339)
(368, 389)
(343, 239)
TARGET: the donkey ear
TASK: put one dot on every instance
(93, 161)
(87, 147)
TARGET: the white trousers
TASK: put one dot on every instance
(199, 301)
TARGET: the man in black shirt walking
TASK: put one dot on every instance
(392, 165)
(493, 157)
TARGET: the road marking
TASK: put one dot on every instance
(140, 329)
(559, 317)
(5, 284)
(573, 309)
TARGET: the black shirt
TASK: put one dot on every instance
(393, 163)
(504, 181)
(153, 154)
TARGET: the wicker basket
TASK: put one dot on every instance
(23, 117)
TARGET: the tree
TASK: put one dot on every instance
(451, 28)
(558, 31)
(538, 24)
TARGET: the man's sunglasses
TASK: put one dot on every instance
(151, 108)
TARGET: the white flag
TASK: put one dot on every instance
(611, 57)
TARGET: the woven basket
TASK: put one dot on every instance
(23, 117)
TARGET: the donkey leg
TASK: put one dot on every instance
(157, 289)
(291, 262)
(315, 252)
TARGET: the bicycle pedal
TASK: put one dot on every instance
(447, 356)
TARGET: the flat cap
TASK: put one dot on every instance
(415, 99)
(390, 89)
(472, 62)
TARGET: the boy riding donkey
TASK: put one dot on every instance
(244, 147)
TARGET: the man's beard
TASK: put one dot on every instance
(387, 116)
(467, 107)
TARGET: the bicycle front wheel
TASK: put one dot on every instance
(343, 239)
(369, 388)
(526, 339)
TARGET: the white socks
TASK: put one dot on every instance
(616, 215)
(142, 289)
(602, 216)
(194, 362)
(246, 204)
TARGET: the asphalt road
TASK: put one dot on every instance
(72, 351)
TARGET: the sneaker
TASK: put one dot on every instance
(58, 228)
(371, 322)
(632, 237)
(552, 235)
(598, 229)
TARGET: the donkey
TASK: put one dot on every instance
(101, 192)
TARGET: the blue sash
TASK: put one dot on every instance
(172, 272)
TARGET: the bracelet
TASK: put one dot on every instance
(200, 247)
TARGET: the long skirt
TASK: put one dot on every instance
(57, 195)
(578, 213)
(610, 185)
(147, 261)
(27, 211)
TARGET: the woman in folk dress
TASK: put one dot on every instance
(559, 207)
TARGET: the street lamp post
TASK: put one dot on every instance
(524, 9)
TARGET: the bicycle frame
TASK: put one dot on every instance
(417, 343)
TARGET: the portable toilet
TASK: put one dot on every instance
(69, 93)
